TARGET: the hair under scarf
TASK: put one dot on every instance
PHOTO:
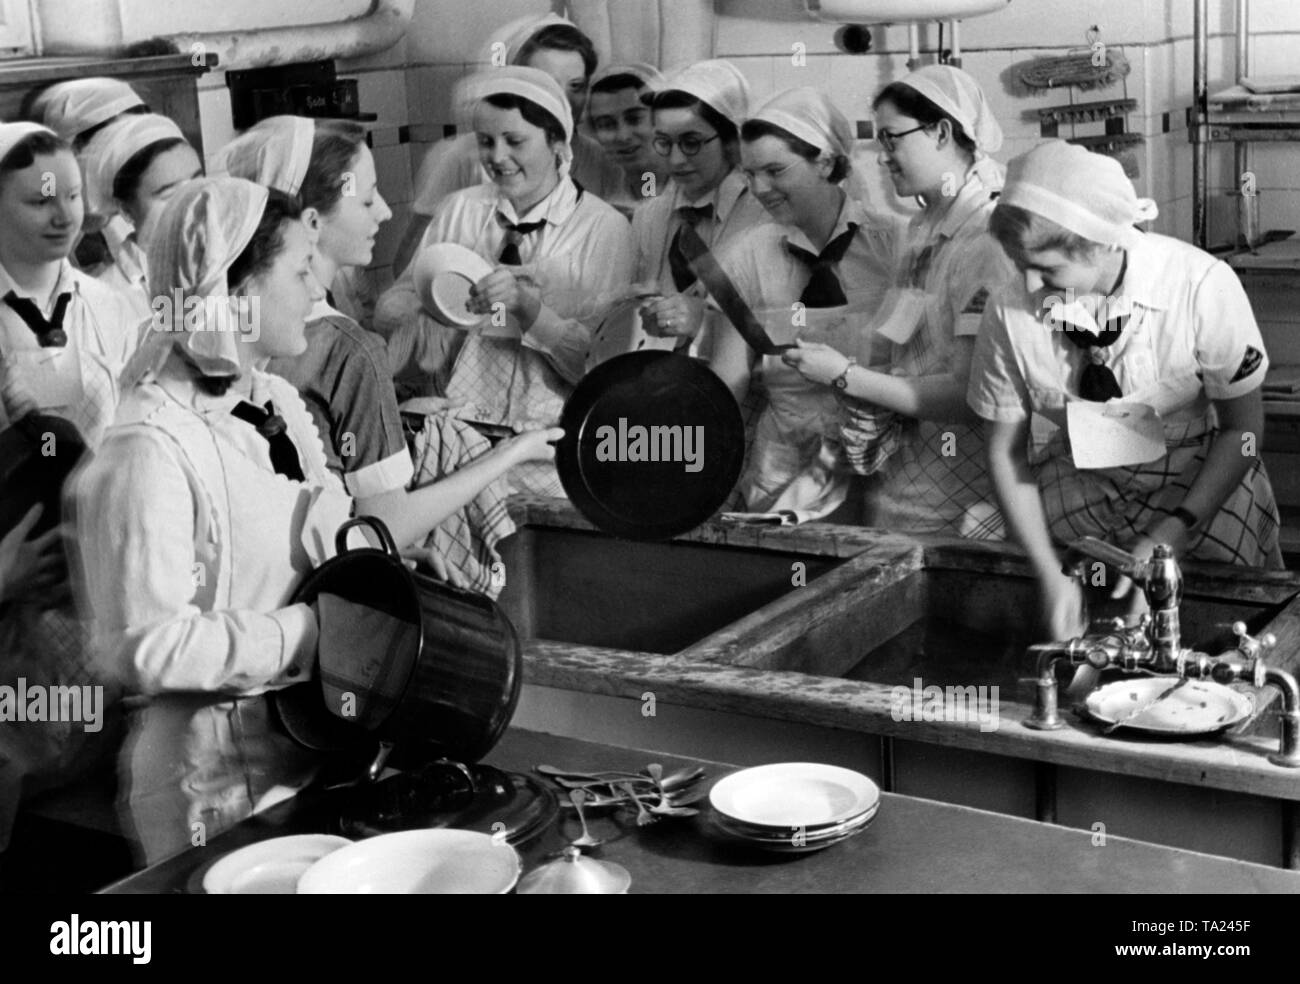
(526, 83)
(807, 114)
(12, 134)
(716, 83)
(111, 148)
(275, 152)
(200, 233)
(961, 97)
(1088, 194)
(70, 108)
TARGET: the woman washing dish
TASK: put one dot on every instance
(815, 274)
(906, 416)
(209, 501)
(1103, 312)
(562, 257)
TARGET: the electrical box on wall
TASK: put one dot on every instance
(303, 89)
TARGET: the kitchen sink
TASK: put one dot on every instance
(576, 586)
(966, 616)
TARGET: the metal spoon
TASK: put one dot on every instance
(577, 797)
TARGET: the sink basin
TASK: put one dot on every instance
(966, 617)
(576, 586)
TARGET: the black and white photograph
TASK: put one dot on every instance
(661, 447)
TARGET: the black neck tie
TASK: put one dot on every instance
(1097, 382)
(514, 236)
(50, 333)
(690, 215)
(284, 456)
(824, 289)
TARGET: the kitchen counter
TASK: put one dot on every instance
(913, 846)
(730, 670)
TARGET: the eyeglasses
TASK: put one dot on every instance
(890, 140)
(690, 144)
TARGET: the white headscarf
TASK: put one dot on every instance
(650, 77)
(528, 83)
(109, 150)
(12, 134)
(807, 114)
(518, 33)
(1086, 193)
(275, 152)
(70, 108)
(199, 234)
(716, 83)
(960, 96)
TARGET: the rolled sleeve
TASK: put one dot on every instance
(1229, 347)
(997, 389)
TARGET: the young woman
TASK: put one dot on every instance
(620, 119)
(135, 165)
(814, 274)
(1104, 311)
(209, 501)
(77, 110)
(906, 414)
(696, 117)
(562, 257)
(64, 338)
(344, 375)
(551, 44)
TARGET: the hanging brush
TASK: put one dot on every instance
(1092, 67)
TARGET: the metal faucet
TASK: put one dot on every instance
(1155, 643)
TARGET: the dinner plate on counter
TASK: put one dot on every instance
(1198, 707)
(417, 862)
(270, 867)
(794, 794)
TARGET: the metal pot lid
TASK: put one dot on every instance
(653, 445)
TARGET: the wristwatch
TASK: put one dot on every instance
(842, 380)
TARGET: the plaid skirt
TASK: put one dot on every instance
(1120, 504)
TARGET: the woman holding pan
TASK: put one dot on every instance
(815, 274)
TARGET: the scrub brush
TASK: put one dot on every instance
(1093, 67)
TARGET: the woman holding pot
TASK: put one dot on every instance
(905, 412)
(1103, 312)
(815, 274)
(209, 502)
(561, 258)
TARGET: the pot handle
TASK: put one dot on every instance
(375, 524)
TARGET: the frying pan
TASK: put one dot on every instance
(653, 445)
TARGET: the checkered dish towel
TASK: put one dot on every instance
(869, 434)
(467, 540)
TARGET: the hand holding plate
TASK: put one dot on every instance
(537, 444)
(674, 316)
(518, 295)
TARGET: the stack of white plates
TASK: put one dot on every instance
(794, 806)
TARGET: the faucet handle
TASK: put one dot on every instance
(1252, 650)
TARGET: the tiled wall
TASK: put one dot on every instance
(409, 85)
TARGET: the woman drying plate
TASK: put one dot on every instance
(562, 257)
(1108, 313)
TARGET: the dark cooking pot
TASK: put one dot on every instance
(448, 683)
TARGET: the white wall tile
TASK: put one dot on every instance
(428, 93)
(215, 116)
(393, 168)
(383, 92)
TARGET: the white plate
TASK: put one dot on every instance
(794, 794)
(270, 867)
(1198, 707)
(444, 273)
(417, 862)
